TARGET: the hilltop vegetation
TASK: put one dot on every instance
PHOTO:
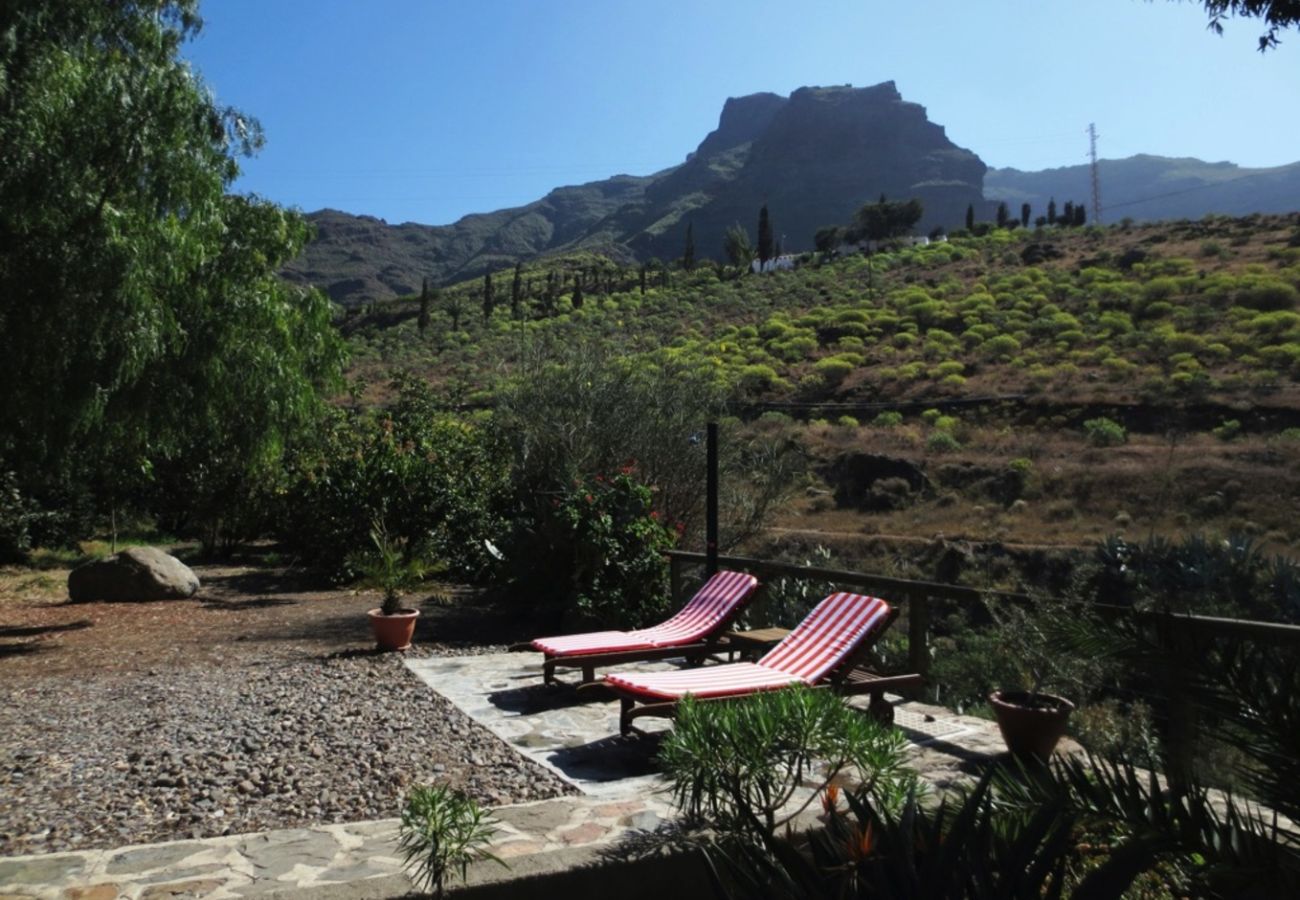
(1147, 374)
(1161, 313)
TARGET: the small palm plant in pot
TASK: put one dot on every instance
(392, 565)
(1036, 637)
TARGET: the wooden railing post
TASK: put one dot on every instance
(675, 564)
(918, 632)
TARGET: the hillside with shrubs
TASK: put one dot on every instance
(1034, 386)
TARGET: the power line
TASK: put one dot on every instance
(1198, 187)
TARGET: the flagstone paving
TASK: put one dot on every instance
(575, 735)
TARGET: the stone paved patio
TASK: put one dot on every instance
(574, 735)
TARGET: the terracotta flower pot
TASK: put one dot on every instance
(1030, 729)
(394, 632)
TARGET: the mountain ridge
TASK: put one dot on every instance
(1147, 187)
(813, 158)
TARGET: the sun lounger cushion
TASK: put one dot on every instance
(713, 681)
(710, 607)
(832, 631)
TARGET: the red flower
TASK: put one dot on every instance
(831, 798)
(860, 844)
(591, 499)
(654, 514)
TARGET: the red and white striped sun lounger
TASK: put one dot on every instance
(693, 631)
(823, 650)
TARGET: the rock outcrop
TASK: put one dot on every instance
(814, 159)
(135, 574)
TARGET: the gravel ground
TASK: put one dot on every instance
(208, 750)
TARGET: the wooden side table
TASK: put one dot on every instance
(752, 643)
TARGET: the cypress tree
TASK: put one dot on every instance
(970, 217)
(1080, 215)
(643, 268)
(516, 290)
(1067, 214)
(1051, 211)
(1003, 215)
(423, 321)
(577, 290)
(764, 237)
(489, 301)
(454, 309)
(1024, 215)
(688, 253)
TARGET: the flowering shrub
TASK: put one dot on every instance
(619, 570)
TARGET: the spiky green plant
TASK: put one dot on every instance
(1019, 832)
(442, 831)
(738, 764)
(391, 565)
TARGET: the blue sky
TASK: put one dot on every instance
(426, 110)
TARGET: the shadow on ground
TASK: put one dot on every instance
(537, 698)
(21, 649)
(609, 759)
(261, 583)
(238, 605)
(17, 631)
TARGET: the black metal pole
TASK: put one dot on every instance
(711, 508)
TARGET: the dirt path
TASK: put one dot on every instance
(246, 611)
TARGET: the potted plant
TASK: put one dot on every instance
(1030, 714)
(392, 567)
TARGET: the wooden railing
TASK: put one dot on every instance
(914, 597)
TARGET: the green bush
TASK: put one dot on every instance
(942, 442)
(1001, 346)
(833, 370)
(847, 422)
(1228, 430)
(736, 765)
(16, 515)
(887, 419)
(596, 547)
(434, 483)
(1268, 294)
(1104, 432)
